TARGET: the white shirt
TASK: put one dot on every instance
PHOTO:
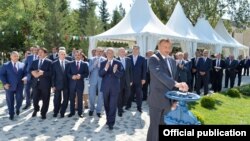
(135, 58)
(15, 64)
(123, 60)
(168, 64)
(62, 63)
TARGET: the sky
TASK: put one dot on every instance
(111, 4)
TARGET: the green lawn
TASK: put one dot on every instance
(227, 110)
(1, 85)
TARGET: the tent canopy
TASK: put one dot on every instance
(179, 23)
(141, 25)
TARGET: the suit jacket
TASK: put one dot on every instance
(127, 77)
(160, 81)
(109, 78)
(189, 68)
(231, 67)
(182, 73)
(94, 70)
(9, 76)
(44, 81)
(83, 71)
(59, 76)
(240, 65)
(204, 66)
(51, 57)
(139, 69)
(28, 63)
(222, 65)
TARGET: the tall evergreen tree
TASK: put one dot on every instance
(86, 6)
(104, 14)
(116, 18)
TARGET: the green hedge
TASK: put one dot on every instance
(208, 102)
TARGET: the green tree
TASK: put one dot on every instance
(116, 18)
(86, 6)
(104, 14)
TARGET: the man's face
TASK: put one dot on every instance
(93, 52)
(185, 55)
(165, 48)
(34, 50)
(54, 50)
(110, 54)
(135, 50)
(218, 56)
(77, 56)
(62, 55)
(180, 56)
(41, 54)
(197, 54)
(205, 53)
(98, 52)
(14, 57)
(122, 52)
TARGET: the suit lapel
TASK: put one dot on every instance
(163, 62)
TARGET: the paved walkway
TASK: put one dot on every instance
(131, 127)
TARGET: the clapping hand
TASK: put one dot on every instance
(7, 86)
(107, 65)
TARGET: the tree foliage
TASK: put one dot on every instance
(104, 14)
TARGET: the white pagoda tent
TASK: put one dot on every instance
(139, 25)
(179, 23)
(222, 31)
(209, 36)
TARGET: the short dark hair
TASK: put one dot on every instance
(164, 40)
(43, 49)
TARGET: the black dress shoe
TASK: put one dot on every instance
(43, 117)
(26, 107)
(139, 110)
(17, 112)
(70, 115)
(80, 115)
(11, 117)
(111, 127)
(99, 115)
(120, 114)
(62, 115)
(54, 115)
(90, 113)
(34, 113)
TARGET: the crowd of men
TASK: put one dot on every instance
(111, 82)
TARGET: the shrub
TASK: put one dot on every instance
(199, 117)
(233, 92)
(208, 102)
(245, 90)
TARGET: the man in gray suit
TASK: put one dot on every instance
(163, 73)
(95, 83)
(182, 68)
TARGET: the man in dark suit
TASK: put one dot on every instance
(239, 68)
(162, 71)
(125, 81)
(11, 75)
(28, 63)
(54, 55)
(246, 66)
(204, 66)
(218, 67)
(145, 86)
(182, 68)
(41, 71)
(111, 71)
(78, 70)
(194, 70)
(139, 69)
(60, 83)
(189, 72)
(231, 65)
